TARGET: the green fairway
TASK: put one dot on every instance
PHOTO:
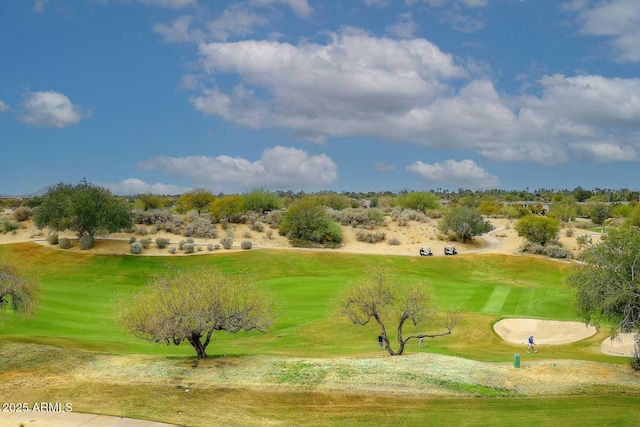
(80, 291)
(76, 311)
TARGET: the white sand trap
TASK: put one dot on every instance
(623, 345)
(517, 331)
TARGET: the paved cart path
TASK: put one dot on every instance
(71, 419)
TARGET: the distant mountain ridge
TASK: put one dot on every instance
(40, 192)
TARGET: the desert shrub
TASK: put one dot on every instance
(226, 242)
(552, 250)
(269, 234)
(306, 220)
(181, 243)
(23, 213)
(538, 229)
(246, 234)
(358, 217)
(224, 223)
(216, 246)
(9, 226)
(190, 240)
(246, 244)
(584, 225)
(404, 216)
(273, 219)
(557, 251)
(132, 239)
(172, 250)
(188, 248)
(142, 231)
(228, 208)
(146, 242)
(64, 243)
(200, 227)
(152, 216)
(334, 201)
(162, 243)
(569, 232)
(52, 238)
(210, 247)
(86, 242)
(199, 248)
(153, 229)
(393, 241)
(258, 226)
(135, 248)
(584, 240)
(364, 236)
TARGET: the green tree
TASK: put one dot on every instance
(607, 283)
(466, 222)
(538, 229)
(598, 212)
(307, 222)
(198, 200)
(227, 207)
(84, 208)
(489, 207)
(190, 305)
(419, 201)
(260, 199)
(633, 220)
(151, 201)
(563, 208)
(15, 291)
(377, 297)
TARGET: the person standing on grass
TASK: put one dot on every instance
(532, 345)
(420, 341)
(380, 341)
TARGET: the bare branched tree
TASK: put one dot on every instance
(190, 305)
(15, 291)
(377, 297)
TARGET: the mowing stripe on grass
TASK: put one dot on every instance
(497, 299)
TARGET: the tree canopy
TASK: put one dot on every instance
(260, 199)
(466, 222)
(198, 200)
(538, 229)
(16, 291)
(419, 201)
(189, 305)
(305, 221)
(607, 283)
(84, 208)
(377, 297)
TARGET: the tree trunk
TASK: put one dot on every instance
(200, 348)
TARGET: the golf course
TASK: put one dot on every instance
(312, 367)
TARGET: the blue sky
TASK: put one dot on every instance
(163, 96)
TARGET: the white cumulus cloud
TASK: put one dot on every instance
(618, 20)
(465, 173)
(279, 167)
(50, 109)
(299, 7)
(132, 186)
(3, 107)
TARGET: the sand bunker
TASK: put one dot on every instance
(623, 345)
(517, 331)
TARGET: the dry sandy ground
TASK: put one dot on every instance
(503, 239)
(517, 331)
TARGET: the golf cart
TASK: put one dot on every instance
(450, 250)
(426, 251)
